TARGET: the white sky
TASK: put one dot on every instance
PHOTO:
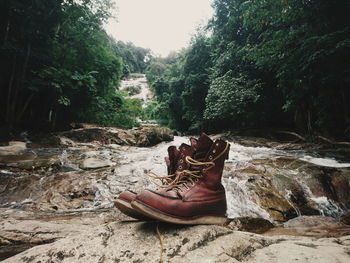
(161, 25)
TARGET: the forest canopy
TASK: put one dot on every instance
(256, 64)
(262, 64)
(58, 65)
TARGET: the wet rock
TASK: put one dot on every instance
(62, 191)
(345, 218)
(29, 160)
(93, 163)
(315, 226)
(14, 147)
(149, 136)
(286, 186)
(310, 221)
(144, 136)
(251, 224)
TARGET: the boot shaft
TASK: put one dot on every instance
(176, 160)
(217, 154)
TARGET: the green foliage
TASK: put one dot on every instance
(166, 80)
(196, 72)
(115, 110)
(230, 98)
(58, 65)
(135, 59)
(156, 111)
(266, 64)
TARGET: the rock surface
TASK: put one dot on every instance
(345, 218)
(14, 147)
(138, 242)
(143, 136)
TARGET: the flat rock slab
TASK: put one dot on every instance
(131, 241)
(94, 163)
(13, 148)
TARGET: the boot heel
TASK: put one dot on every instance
(126, 208)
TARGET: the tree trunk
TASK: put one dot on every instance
(9, 92)
(345, 106)
(7, 30)
(24, 108)
(18, 94)
(309, 125)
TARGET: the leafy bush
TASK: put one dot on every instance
(230, 97)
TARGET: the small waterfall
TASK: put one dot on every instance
(326, 206)
(63, 158)
(326, 162)
(287, 196)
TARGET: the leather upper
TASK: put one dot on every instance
(205, 196)
(127, 195)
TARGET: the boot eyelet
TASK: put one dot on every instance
(181, 161)
(210, 157)
(214, 151)
(217, 144)
(180, 167)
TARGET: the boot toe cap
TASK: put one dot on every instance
(127, 196)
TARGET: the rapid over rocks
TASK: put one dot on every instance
(57, 193)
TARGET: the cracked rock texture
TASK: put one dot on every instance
(131, 241)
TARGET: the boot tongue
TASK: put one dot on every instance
(194, 144)
(174, 155)
(203, 146)
(185, 150)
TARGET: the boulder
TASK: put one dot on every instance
(345, 218)
(143, 136)
(251, 224)
(13, 148)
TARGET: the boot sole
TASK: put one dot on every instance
(158, 215)
(126, 208)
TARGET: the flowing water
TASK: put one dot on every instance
(259, 181)
(137, 81)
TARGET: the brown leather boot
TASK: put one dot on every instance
(175, 162)
(198, 197)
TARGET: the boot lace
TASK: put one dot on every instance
(181, 179)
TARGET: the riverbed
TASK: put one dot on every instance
(63, 190)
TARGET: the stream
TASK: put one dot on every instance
(259, 181)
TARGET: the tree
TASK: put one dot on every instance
(231, 99)
(58, 65)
